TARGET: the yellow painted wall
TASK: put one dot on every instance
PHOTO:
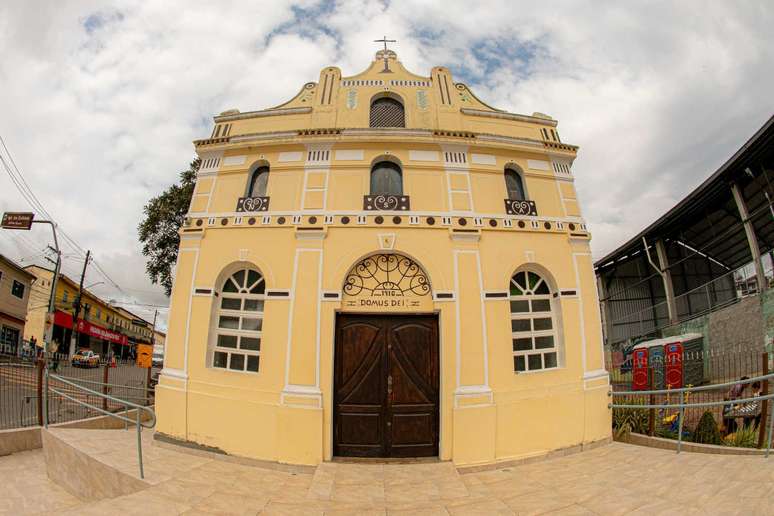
(320, 156)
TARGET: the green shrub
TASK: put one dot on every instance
(744, 437)
(626, 420)
(707, 430)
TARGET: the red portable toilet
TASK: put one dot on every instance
(674, 365)
(640, 380)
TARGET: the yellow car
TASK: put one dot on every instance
(85, 358)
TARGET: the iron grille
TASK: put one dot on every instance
(387, 112)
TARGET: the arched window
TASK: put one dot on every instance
(386, 179)
(387, 112)
(258, 182)
(533, 328)
(514, 185)
(239, 322)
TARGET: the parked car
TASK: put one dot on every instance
(85, 358)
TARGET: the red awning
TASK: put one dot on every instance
(66, 321)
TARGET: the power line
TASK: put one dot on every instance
(26, 191)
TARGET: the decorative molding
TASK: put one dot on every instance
(177, 374)
(252, 204)
(483, 159)
(386, 241)
(384, 202)
(508, 116)
(538, 164)
(230, 161)
(285, 157)
(349, 155)
(423, 155)
(519, 207)
(442, 296)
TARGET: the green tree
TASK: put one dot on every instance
(158, 231)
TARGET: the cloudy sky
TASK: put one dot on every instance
(99, 101)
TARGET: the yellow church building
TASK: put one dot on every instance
(384, 266)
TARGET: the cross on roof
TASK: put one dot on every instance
(385, 41)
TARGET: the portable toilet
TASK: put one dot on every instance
(693, 358)
(640, 376)
(650, 375)
(674, 365)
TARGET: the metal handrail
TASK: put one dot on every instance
(682, 405)
(710, 387)
(119, 386)
(127, 405)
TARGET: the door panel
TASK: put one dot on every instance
(386, 386)
(359, 388)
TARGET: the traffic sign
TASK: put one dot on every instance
(17, 220)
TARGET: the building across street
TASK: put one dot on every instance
(384, 266)
(15, 283)
(102, 327)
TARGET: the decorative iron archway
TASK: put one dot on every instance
(387, 282)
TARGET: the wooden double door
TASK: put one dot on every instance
(386, 386)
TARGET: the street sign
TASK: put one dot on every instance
(17, 220)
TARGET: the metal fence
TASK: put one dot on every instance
(681, 400)
(700, 368)
(21, 387)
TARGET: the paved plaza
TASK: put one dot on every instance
(613, 479)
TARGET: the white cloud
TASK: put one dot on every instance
(100, 101)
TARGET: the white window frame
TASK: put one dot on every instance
(532, 334)
(240, 314)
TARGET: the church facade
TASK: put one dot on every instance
(384, 266)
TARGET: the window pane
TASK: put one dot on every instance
(220, 359)
(514, 185)
(516, 291)
(520, 325)
(250, 343)
(254, 305)
(542, 289)
(259, 288)
(550, 360)
(251, 324)
(518, 363)
(237, 362)
(239, 278)
(541, 305)
(252, 277)
(533, 361)
(519, 306)
(544, 323)
(522, 344)
(229, 322)
(386, 179)
(533, 280)
(544, 342)
(259, 182)
(227, 341)
(229, 286)
(229, 303)
(252, 363)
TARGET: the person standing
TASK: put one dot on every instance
(734, 393)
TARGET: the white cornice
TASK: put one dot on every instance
(508, 116)
(265, 112)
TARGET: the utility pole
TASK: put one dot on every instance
(77, 306)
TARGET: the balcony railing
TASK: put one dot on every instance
(253, 204)
(519, 207)
(386, 202)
